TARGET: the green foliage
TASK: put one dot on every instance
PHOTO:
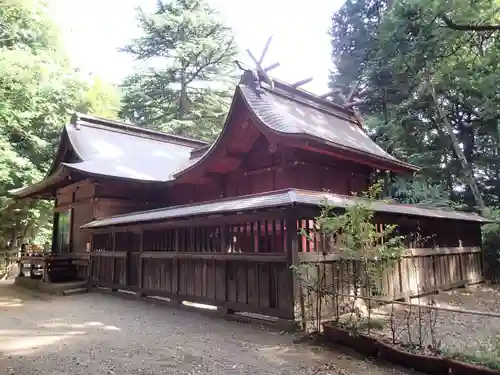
(99, 98)
(356, 234)
(421, 192)
(487, 356)
(25, 24)
(186, 85)
(394, 51)
(491, 246)
(356, 238)
(39, 90)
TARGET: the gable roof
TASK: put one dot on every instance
(285, 112)
(272, 199)
(115, 149)
(119, 150)
(101, 147)
(291, 112)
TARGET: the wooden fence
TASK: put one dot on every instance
(417, 272)
(55, 267)
(243, 263)
(238, 263)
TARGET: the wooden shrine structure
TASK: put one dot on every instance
(164, 215)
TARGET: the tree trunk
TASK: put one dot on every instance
(460, 154)
(468, 141)
(181, 113)
(182, 100)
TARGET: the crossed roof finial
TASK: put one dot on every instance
(347, 101)
(261, 72)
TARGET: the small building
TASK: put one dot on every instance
(164, 215)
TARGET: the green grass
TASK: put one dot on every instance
(483, 356)
(362, 324)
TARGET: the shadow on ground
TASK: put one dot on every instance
(98, 334)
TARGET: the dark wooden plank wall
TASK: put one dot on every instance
(88, 200)
(262, 170)
(77, 198)
(237, 264)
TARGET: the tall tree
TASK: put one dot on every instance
(26, 24)
(38, 91)
(189, 57)
(412, 54)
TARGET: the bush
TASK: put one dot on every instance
(491, 246)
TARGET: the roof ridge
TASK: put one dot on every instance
(285, 86)
(199, 151)
(314, 104)
(135, 130)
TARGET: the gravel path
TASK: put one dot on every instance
(95, 334)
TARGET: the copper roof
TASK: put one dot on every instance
(276, 199)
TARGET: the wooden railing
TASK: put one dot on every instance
(243, 263)
(417, 272)
(236, 263)
(238, 282)
(55, 267)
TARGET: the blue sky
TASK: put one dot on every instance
(93, 30)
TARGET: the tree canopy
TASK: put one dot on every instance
(184, 86)
(39, 90)
(429, 91)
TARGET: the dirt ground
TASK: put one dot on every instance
(451, 331)
(96, 334)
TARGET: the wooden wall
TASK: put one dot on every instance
(89, 200)
(243, 263)
(77, 198)
(262, 170)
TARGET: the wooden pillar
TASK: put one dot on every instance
(113, 262)
(55, 232)
(90, 274)
(458, 243)
(175, 262)
(127, 258)
(292, 251)
(226, 240)
(45, 272)
(140, 263)
(32, 268)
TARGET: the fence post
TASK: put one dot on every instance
(292, 250)
(434, 271)
(113, 262)
(140, 264)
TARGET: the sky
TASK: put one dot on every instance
(93, 30)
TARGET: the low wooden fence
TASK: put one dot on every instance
(231, 281)
(243, 263)
(239, 263)
(55, 267)
(416, 273)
